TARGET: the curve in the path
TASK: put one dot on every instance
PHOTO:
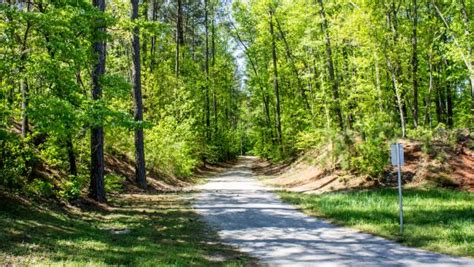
(251, 217)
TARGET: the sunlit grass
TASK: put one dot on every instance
(161, 231)
(435, 219)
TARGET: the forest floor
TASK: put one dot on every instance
(153, 228)
(250, 216)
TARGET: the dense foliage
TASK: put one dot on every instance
(346, 77)
(188, 82)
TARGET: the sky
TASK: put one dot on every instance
(237, 50)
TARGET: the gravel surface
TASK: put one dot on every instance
(250, 217)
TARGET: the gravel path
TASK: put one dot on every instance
(252, 218)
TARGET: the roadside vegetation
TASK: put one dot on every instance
(440, 220)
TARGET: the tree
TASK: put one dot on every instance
(97, 189)
(275, 80)
(330, 65)
(414, 63)
(140, 172)
(179, 34)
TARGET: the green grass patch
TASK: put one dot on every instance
(139, 230)
(435, 219)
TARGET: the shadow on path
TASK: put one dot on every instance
(249, 216)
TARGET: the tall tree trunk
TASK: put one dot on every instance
(213, 62)
(275, 82)
(97, 189)
(293, 66)
(335, 84)
(430, 89)
(24, 87)
(179, 35)
(439, 98)
(395, 69)
(25, 96)
(193, 37)
(140, 175)
(449, 106)
(398, 97)
(208, 112)
(414, 62)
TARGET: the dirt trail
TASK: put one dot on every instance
(249, 216)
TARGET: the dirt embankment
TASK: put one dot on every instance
(441, 164)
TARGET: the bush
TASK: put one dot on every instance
(40, 188)
(363, 149)
(370, 158)
(173, 147)
(16, 160)
(425, 135)
(114, 182)
(72, 188)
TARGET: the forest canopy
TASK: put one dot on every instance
(174, 84)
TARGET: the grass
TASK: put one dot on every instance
(160, 230)
(435, 219)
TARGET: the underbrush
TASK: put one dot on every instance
(366, 151)
(40, 165)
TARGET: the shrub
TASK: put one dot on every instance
(371, 157)
(73, 186)
(114, 182)
(173, 147)
(40, 188)
(16, 160)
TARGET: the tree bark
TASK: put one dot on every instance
(213, 62)
(25, 92)
(97, 189)
(414, 62)
(140, 172)
(430, 89)
(207, 104)
(275, 81)
(398, 97)
(332, 76)
(25, 95)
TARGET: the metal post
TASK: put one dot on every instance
(400, 188)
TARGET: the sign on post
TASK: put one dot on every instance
(398, 159)
(394, 150)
